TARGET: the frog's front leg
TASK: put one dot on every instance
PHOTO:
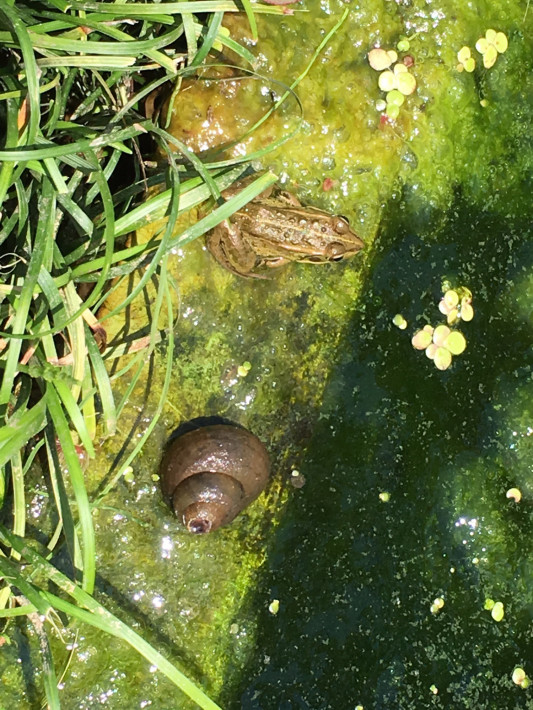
(276, 261)
(227, 245)
(288, 198)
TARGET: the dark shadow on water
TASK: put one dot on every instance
(355, 575)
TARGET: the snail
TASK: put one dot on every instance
(212, 473)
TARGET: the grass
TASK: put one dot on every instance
(73, 79)
(72, 84)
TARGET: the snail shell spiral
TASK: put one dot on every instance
(212, 473)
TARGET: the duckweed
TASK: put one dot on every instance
(395, 98)
(457, 304)
(392, 111)
(440, 334)
(273, 607)
(397, 82)
(490, 46)
(422, 339)
(515, 494)
(520, 678)
(450, 299)
(406, 81)
(398, 78)
(497, 611)
(466, 60)
(442, 358)
(399, 321)
(379, 59)
(244, 369)
(441, 343)
(466, 312)
(403, 45)
(455, 342)
(387, 81)
(437, 605)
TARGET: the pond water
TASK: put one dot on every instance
(385, 562)
(357, 572)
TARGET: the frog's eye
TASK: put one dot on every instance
(340, 225)
(335, 251)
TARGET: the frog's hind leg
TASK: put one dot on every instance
(232, 190)
(232, 251)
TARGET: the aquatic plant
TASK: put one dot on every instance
(244, 369)
(436, 605)
(520, 678)
(515, 494)
(489, 46)
(380, 59)
(492, 44)
(273, 607)
(399, 321)
(496, 609)
(457, 305)
(397, 82)
(441, 343)
(466, 60)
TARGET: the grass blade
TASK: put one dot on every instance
(30, 69)
(39, 252)
(78, 486)
(13, 438)
(109, 414)
(19, 500)
(75, 414)
(142, 11)
(87, 609)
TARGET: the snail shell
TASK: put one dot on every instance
(212, 473)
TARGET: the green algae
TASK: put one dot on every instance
(187, 595)
(439, 126)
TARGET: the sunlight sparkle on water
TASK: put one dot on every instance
(472, 523)
(248, 399)
(166, 547)
(104, 697)
(158, 601)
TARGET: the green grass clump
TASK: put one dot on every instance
(73, 185)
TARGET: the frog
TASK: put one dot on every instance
(275, 229)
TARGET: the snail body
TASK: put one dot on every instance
(212, 473)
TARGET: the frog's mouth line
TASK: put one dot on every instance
(304, 251)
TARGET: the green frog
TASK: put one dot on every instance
(274, 229)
